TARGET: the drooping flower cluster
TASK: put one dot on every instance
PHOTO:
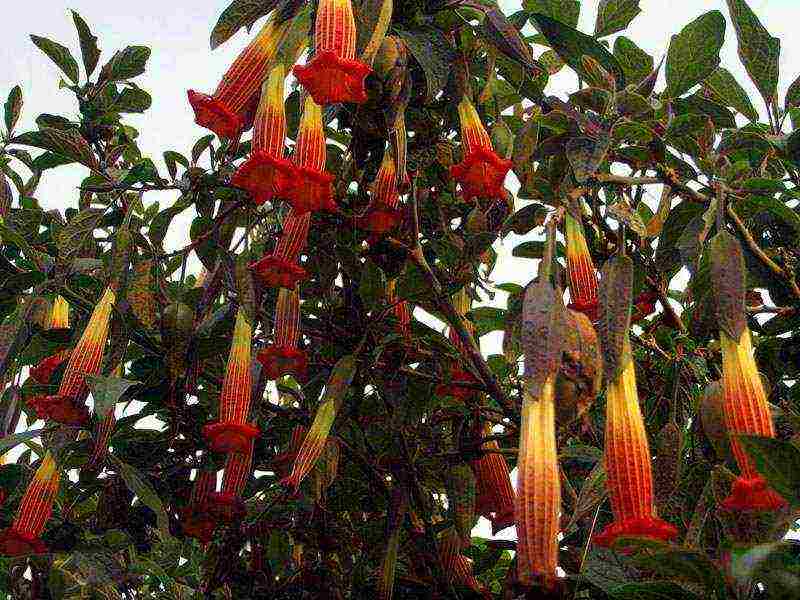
(283, 357)
(67, 406)
(23, 537)
(382, 214)
(232, 432)
(481, 173)
(581, 271)
(495, 494)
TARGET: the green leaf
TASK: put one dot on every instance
(89, 49)
(240, 13)
(132, 100)
(106, 392)
(13, 107)
(566, 11)
(506, 38)
(690, 566)
(570, 44)
(58, 54)
(614, 16)
(12, 333)
(525, 219)
(751, 206)
(635, 62)
(67, 143)
(140, 294)
(137, 483)
(73, 237)
(434, 53)
(778, 462)
(9, 441)
(758, 50)
(372, 284)
(487, 319)
(615, 294)
(727, 91)
(693, 54)
(652, 590)
(793, 94)
(126, 64)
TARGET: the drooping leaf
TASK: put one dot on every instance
(89, 49)
(13, 107)
(614, 16)
(106, 392)
(571, 45)
(240, 13)
(69, 144)
(126, 64)
(635, 62)
(758, 50)
(586, 154)
(566, 11)
(622, 212)
(132, 100)
(778, 462)
(138, 484)
(434, 53)
(693, 54)
(374, 19)
(615, 294)
(73, 237)
(726, 90)
(15, 439)
(793, 95)
(58, 54)
(506, 38)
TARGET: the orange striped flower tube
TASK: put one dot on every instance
(402, 311)
(281, 269)
(538, 501)
(495, 494)
(481, 173)
(311, 187)
(628, 463)
(34, 510)
(746, 412)
(382, 214)
(333, 74)
(196, 519)
(225, 112)
(232, 433)
(581, 271)
(59, 315)
(104, 431)
(283, 357)
(462, 303)
(457, 567)
(265, 173)
(227, 504)
(58, 319)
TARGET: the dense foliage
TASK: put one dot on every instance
(359, 442)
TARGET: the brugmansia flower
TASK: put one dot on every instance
(266, 172)
(481, 173)
(196, 520)
(538, 501)
(59, 319)
(382, 214)
(746, 411)
(227, 504)
(34, 510)
(67, 405)
(104, 431)
(284, 357)
(284, 461)
(495, 495)
(401, 309)
(457, 567)
(224, 112)
(232, 433)
(59, 316)
(581, 271)
(333, 74)
(628, 463)
(461, 381)
(311, 186)
(280, 269)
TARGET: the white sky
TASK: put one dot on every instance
(178, 30)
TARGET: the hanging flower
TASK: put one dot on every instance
(280, 269)
(23, 537)
(746, 412)
(463, 384)
(104, 431)
(457, 567)
(227, 505)
(382, 214)
(628, 463)
(538, 501)
(481, 173)
(266, 172)
(311, 187)
(59, 315)
(59, 319)
(284, 461)
(333, 74)
(232, 433)
(224, 113)
(401, 310)
(582, 274)
(196, 520)
(284, 357)
(495, 495)
(67, 405)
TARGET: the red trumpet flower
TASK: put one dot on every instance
(266, 173)
(495, 495)
(196, 519)
(224, 112)
(333, 74)
(401, 309)
(746, 411)
(227, 505)
(458, 376)
(628, 464)
(581, 271)
(232, 433)
(34, 510)
(43, 372)
(382, 214)
(481, 173)
(284, 357)
(280, 269)
(311, 187)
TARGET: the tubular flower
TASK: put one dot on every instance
(104, 431)
(461, 381)
(311, 186)
(495, 495)
(266, 172)
(67, 405)
(59, 316)
(456, 566)
(225, 112)
(401, 309)
(280, 269)
(196, 520)
(582, 274)
(333, 74)
(628, 468)
(227, 505)
(538, 502)
(284, 357)
(382, 214)
(232, 433)
(34, 510)
(746, 412)
(481, 173)
(59, 319)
